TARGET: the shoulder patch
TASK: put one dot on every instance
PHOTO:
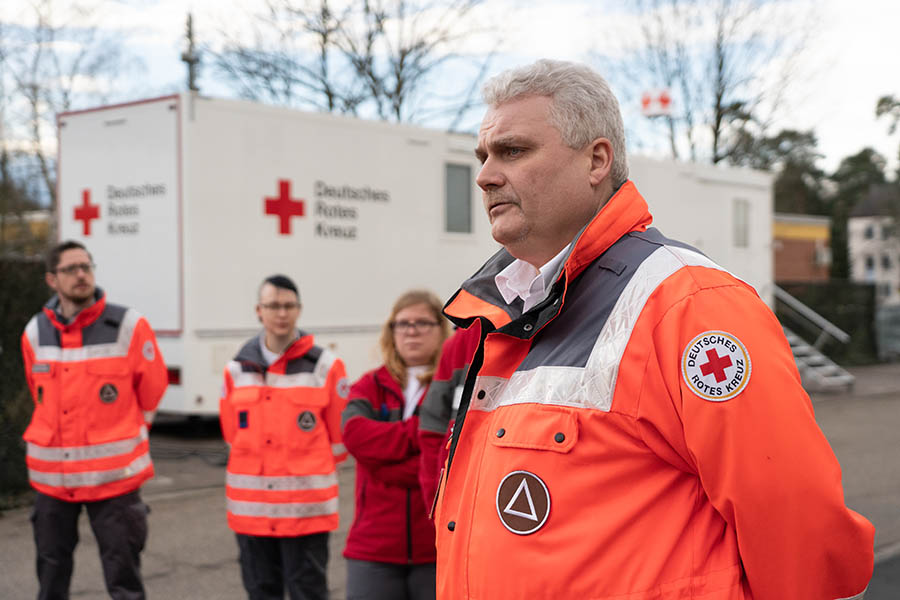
(716, 366)
(343, 387)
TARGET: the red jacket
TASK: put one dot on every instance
(282, 422)
(391, 523)
(438, 411)
(96, 383)
(640, 434)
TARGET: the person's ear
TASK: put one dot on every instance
(601, 160)
(50, 279)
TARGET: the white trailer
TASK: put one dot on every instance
(187, 203)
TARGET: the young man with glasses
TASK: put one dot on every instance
(96, 376)
(281, 416)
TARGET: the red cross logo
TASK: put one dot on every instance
(717, 364)
(87, 211)
(646, 100)
(664, 99)
(284, 207)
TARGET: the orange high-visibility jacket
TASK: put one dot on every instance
(96, 383)
(438, 410)
(283, 422)
(640, 434)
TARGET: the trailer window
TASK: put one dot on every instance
(458, 198)
(741, 222)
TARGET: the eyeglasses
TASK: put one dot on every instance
(73, 269)
(411, 326)
(275, 307)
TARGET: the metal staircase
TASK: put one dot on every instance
(817, 371)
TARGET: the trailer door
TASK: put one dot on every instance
(119, 194)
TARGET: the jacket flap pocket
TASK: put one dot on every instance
(38, 433)
(110, 367)
(536, 428)
(245, 395)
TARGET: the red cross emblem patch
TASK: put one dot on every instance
(716, 366)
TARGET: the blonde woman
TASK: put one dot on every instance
(390, 549)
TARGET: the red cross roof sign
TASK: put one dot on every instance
(656, 103)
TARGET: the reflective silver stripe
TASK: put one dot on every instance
(316, 379)
(117, 348)
(603, 363)
(149, 415)
(288, 483)
(292, 510)
(592, 386)
(323, 365)
(31, 332)
(75, 453)
(90, 478)
(277, 380)
(493, 389)
(338, 449)
(859, 596)
(241, 378)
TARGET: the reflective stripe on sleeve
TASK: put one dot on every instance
(149, 415)
(338, 449)
(291, 510)
(859, 596)
(287, 483)
(90, 452)
(90, 478)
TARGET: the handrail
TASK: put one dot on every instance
(815, 318)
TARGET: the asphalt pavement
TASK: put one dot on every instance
(191, 554)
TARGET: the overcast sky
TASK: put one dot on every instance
(853, 59)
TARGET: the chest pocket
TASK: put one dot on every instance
(248, 418)
(46, 404)
(535, 428)
(110, 396)
(306, 437)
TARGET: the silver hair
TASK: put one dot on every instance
(583, 107)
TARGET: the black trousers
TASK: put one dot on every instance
(120, 527)
(367, 580)
(271, 564)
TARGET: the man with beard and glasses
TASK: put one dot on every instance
(632, 424)
(96, 376)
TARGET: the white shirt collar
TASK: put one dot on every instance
(521, 280)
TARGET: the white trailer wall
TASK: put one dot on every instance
(189, 239)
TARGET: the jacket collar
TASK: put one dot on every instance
(625, 212)
(251, 353)
(85, 316)
(384, 378)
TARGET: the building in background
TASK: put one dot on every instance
(874, 242)
(802, 249)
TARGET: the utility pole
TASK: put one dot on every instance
(189, 57)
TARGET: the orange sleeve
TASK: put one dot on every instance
(752, 439)
(226, 413)
(28, 362)
(338, 390)
(148, 367)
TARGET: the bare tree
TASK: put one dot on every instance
(727, 63)
(56, 57)
(374, 56)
